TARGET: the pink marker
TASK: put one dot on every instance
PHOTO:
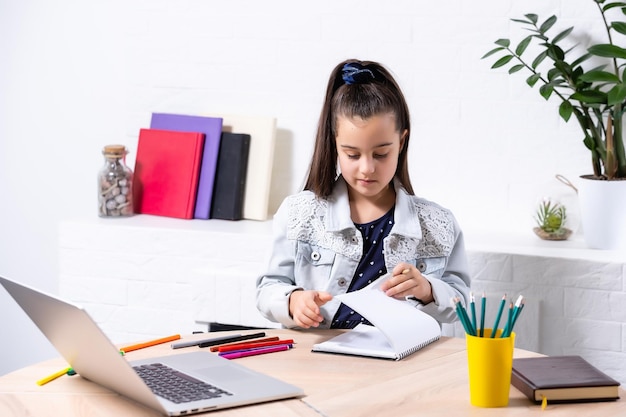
(252, 352)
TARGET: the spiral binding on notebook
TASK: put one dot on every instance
(414, 349)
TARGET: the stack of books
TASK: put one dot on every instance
(200, 167)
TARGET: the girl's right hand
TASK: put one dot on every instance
(304, 307)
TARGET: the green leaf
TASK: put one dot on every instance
(533, 18)
(556, 78)
(532, 80)
(589, 96)
(493, 51)
(515, 68)
(502, 61)
(546, 90)
(555, 52)
(607, 51)
(554, 73)
(617, 94)
(580, 60)
(523, 45)
(562, 35)
(613, 5)
(565, 110)
(563, 67)
(599, 76)
(523, 22)
(539, 59)
(503, 42)
(578, 71)
(619, 27)
(545, 26)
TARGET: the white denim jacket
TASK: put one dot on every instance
(316, 246)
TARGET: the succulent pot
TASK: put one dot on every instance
(562, 234)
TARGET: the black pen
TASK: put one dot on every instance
(199, 342)
(231, 339)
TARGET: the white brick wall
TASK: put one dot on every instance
(149, 276)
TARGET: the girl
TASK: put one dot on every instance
(358, 217)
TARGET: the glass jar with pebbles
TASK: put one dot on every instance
(115, 184)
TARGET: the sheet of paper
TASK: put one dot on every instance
(404, 326)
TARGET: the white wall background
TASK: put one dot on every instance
(76, 75)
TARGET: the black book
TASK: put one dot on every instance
(230, 176)
(562, 379)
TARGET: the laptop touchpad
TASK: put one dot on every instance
(224, 373)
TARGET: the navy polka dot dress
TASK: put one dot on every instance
(370, 268)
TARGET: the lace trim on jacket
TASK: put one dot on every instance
(437, 236)
(305, 222)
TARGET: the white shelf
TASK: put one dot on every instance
(520, 243)
(511, 242)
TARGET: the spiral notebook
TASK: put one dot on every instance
(399, 329)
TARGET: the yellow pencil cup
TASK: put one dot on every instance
(489, 363)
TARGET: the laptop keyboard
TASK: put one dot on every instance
(176, 386)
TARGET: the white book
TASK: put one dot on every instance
(399, 329)
(262, 131)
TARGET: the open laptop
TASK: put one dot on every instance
(93, 356)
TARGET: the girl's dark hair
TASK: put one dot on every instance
(356, 89)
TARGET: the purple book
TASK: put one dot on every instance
(212, 129)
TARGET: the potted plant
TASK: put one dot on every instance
(595, 94)
(551, 218)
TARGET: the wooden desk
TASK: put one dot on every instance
(431, 382)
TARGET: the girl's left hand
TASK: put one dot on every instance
(408, 281)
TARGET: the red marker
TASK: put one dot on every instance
(254, 345)
(253, 352)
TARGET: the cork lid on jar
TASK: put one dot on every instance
(114, 150)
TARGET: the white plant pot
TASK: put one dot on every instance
(603, 213)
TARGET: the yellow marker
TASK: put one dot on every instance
(544, 402)
(53, 376)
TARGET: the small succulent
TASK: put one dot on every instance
(550, 216)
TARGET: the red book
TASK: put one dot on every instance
(167, 166)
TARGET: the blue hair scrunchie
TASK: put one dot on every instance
(355, 73)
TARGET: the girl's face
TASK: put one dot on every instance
(368, 152)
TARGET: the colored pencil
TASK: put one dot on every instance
(150, 343)
(267, 339)
(462, 314)
(509, 321)
(54, 376)
(253, 352)
(483, 306)
(234, 339)
(190, 343)
(516, 314)
(254, 345)
(497, 322)
(473, 309)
